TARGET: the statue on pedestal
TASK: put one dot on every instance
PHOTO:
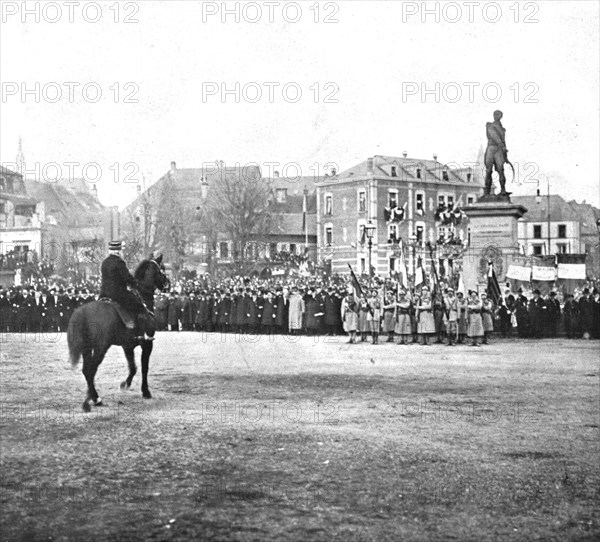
(496, 155)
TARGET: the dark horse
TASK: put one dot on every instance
(96, 326)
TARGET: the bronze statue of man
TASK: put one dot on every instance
(495, 154)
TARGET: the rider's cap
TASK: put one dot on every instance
(114, 245)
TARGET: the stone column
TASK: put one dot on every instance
(494, 237)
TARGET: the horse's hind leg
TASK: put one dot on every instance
(91, 362)
(147, 347)
(130, 355)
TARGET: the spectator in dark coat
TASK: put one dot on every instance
(571, 316)
(283, 310)
(522, 314)
(174, 312)
(537, 314)
(269, 314)
(332, 312)
(161, 309)
(586, 313)
(553, 314)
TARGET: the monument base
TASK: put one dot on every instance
(494, 237)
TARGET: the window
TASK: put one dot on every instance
(420, 234)
(281, 195)
(537, 232)
(441, 233)
(328, 235)
(470, 200)
(362, 202)
(445, 175)
(361, 234)
(293, 248)
(418, 173)
(363, 266)
(561, 248)
(272, 249)
(562, 231)
(394, 172)
(392, 199)
(450, 200)
(420, 204)
(224, 249)
(392, 233)
(328, 205)
(441, 200)
(537, 249)
(469, 177)
(2, 208)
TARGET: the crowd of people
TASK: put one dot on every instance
(316, 306)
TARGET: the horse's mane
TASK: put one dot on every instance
(141, 269)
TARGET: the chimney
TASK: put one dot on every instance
(404, 154)
(370, 166)
(95, 191)
(276, 174)
(139, 189)
(173, 166)
(435, 156)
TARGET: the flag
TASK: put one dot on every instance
(355, 283)
(493, 288)
(461, 284)
(304, 214)
(403, 269)
(387, 214)
(419, 275)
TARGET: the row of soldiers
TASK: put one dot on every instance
(316, 309)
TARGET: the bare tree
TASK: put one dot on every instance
(239, 206)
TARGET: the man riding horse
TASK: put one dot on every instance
(115, 280)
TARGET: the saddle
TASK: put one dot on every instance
(123, 313)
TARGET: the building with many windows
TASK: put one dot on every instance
(409, 201)
(56, 223)
(555, 226)
(181, 195)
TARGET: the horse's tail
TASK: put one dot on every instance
(76, 333)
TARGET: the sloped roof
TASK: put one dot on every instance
(560, 210)
(293, 205)
(69, 203)
(406, 170)
(296, 185)
(6, 171)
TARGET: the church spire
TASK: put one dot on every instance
(20, 160)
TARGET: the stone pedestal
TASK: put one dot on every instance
(494, 237)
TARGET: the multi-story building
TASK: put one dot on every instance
(58, 223)
(186, 190)
(351, 202)
(555, 226)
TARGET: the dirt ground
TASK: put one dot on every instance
(303, 439)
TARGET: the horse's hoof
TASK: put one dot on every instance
(87, 405)
(146, 394)
(98, 402)
(124, 386)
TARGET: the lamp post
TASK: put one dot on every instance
(538, 200)
(369, 232)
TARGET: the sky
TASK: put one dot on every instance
(360, 79)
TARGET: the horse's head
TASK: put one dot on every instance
(151, 274)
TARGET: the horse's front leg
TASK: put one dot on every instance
(147, 347)
(130, 355)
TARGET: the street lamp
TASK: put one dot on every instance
(369, 232)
